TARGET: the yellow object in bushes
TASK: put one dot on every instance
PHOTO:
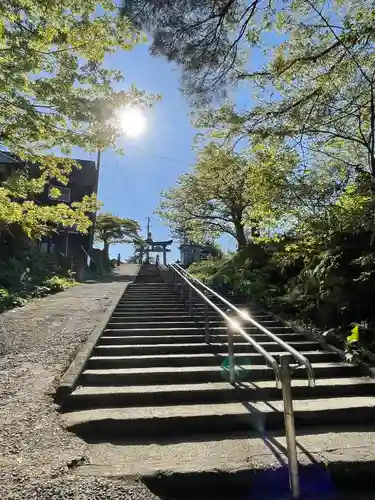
(354, 337)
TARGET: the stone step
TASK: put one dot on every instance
(220, 392)
(243, 466)
(163, 309)
(179, 313)
(150, 301)
(144, 287)
(169, 316)
(136, 289)
(154, 423)
(184, 349)
(109, 339)
(143, 304)
(173, 323)
(242, 358)
(133, 294)
(196, 374)
(157, 285)
(171, 313)
(118, 330)
(142, 294)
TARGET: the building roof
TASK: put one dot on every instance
(86, 176)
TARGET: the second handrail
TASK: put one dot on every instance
(234, 326)
(297, 355)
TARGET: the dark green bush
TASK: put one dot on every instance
(332, 288)
(31, 273)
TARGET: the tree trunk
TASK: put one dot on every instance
(240, 235)
(106, 253)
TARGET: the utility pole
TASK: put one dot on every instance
(96, 187)
(148, 239)
(148, 227)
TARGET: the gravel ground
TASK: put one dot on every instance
(37, 344)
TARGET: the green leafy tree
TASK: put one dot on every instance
(317, 87)
(324, 76)
(317, 92)
(56, 92)
(139, 250)
(228, 192)
(111, 229)
(205, 37)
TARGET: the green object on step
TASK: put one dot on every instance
(241, 369)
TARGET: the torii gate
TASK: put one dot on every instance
(156, 247)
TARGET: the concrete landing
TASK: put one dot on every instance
(231, 453)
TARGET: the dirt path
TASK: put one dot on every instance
(37, 343)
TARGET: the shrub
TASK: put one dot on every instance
(31, 274)
(58, 283)
(331, 288)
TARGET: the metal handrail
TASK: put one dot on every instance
(282, 372)
(296, 354)
(235, 327)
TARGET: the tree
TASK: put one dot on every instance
(205, 37)
(317, 92)
(228, 192)
(317, 88)
(55, 92)
(111, 229)
(139, 247)
(329, 107)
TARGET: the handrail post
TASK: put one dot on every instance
(301, 359)
(232, 367)
(233, 325)
(289, 426)
(190, 301)
(207, 323)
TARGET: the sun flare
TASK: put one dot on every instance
(132, 121)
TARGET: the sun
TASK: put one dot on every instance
(132, 121)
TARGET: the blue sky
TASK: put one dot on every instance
(130, 185)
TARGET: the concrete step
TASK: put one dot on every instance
(196, 374)
(170, 316)
(141, 287)
(174, 323)
(185, 349)
(143, 304)
(115, 329)
(220, 392)
(132, 293)
(153, 423)
(135, 294)
(242, 358)
(171, 313)
(150, 301)
(128, 312)
(109, 339)
(243, 466)
(131, 325)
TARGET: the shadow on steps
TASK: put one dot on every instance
(332, 482)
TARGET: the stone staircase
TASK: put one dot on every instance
(154, 397)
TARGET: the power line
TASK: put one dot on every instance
(150, 153)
